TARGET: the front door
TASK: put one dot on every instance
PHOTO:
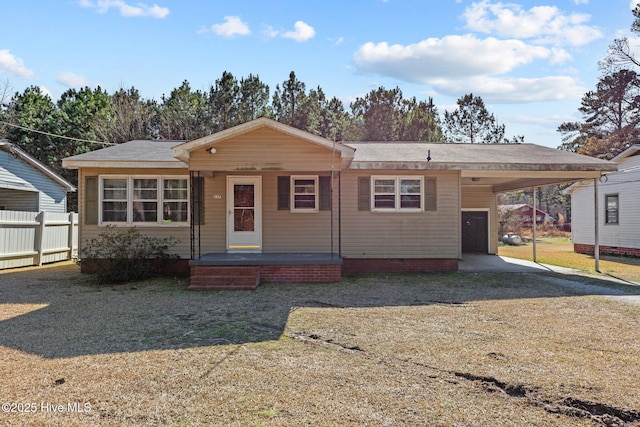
(244, 214)
(475, 232)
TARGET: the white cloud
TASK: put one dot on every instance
(127, 10)
(513, 90)
(301, 32)
(14, 65)
(450, 57)
(232, 26)
(72, 80)
(581, 1)
(269, 32)
(542, 24)
(46, 92)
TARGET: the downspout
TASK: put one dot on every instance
(596, 245)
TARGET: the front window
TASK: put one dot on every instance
(611, 208)
(397, 194)
(114, 200)
(175, 206)
(144, 200)
(304, 194)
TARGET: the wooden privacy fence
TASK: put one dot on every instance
(36, 238)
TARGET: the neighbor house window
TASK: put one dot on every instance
(147, 200)
(397, 194)
(304, 194)
(611, 209)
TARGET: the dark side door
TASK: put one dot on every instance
(475, 232)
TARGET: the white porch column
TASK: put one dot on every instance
(596, 236)
(533, 223)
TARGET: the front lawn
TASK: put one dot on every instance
(424, 349)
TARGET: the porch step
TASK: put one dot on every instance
(224, 278)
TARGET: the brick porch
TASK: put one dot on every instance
(248, 270)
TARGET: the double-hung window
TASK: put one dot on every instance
(397, 193)
(148, 200)
(611, 209)
(114, 200)
(304, 193)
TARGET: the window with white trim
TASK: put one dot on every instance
(611, 208)
(397, 193)
(304, 193)
(144, 200)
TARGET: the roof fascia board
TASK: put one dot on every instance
(75, 164)
(479, 169)
(627, 153)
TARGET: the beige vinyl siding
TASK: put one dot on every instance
(264, 150)
(282, 230)
(398, 234)
(88, 232)
(483, 197)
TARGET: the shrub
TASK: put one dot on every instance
(122, 255)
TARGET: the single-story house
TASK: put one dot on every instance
(274, 203)
(28, 185)
(523, 214)
(618, 200)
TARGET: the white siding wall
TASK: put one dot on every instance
(626, 184)
(17, 174)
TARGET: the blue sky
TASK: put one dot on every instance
(531, 61)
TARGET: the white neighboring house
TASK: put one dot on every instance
(618, 207)
(28, 185)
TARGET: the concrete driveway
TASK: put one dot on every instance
(501, 264)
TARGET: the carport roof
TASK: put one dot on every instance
(413, 155)
(502, 167)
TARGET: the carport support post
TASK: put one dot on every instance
(596, 234)
(533, 223)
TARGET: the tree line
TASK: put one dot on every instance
(611, 112)
(87, 116)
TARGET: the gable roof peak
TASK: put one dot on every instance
(183, 151)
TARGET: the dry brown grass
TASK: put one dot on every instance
(434, 349)
(559, 251)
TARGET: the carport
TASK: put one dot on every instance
(487, 170)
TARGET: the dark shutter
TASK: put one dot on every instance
(430, 194)
(90, 199)
(284, 192)
(197, 195)
(325, 192)
(364, 193)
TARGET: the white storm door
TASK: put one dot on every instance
(244, 213)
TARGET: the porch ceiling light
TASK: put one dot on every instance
(211, 150)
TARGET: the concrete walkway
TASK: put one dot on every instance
(500, 264)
